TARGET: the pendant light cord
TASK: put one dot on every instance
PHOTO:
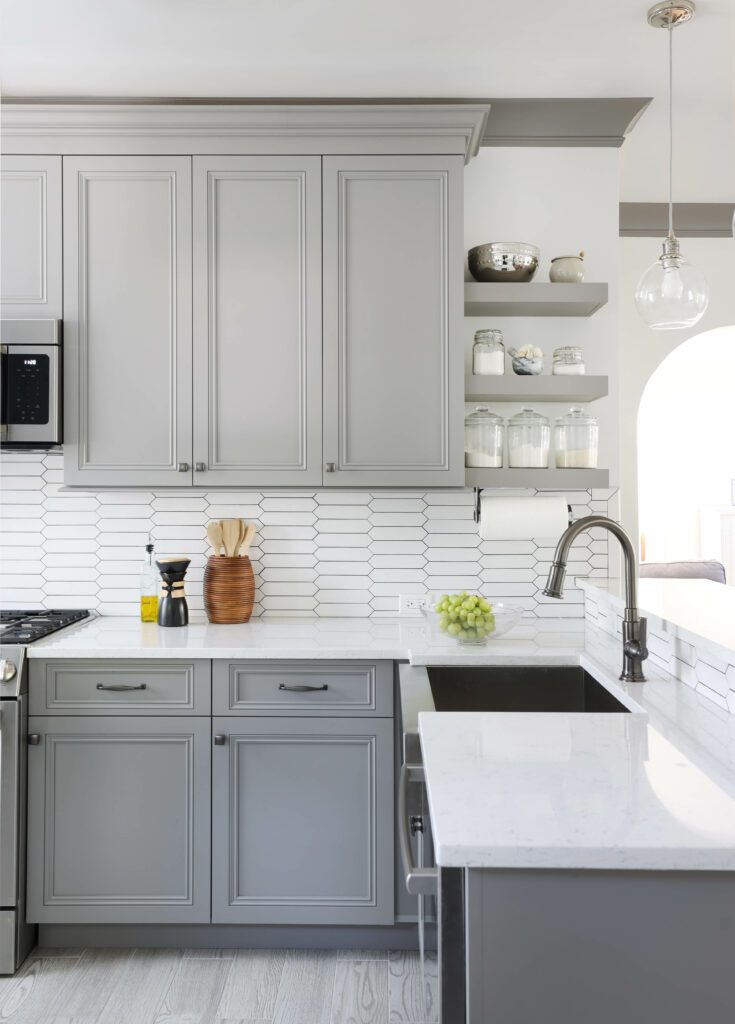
(671, 130)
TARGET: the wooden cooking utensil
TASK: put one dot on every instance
(214, 536)
(230, 535)
(241, 538)
(247, 539)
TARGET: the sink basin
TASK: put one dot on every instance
(520, 688)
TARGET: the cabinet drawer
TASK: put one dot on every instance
(114, 686)
(303, 688)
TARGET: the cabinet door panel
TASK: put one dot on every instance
(393, 320)
(119, 823)
(30, 237)
(257, 320)
(127, 258)
(303, 821)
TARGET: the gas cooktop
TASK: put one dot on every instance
(23, 627)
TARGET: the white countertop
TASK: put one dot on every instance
(699, 609)
(542, 641)
(603, 791)
(650, 790)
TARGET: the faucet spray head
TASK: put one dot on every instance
(555, 582)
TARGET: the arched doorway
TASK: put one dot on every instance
(686, 454)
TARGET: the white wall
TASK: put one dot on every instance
(642, 350)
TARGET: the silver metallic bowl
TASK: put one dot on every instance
(503, 261)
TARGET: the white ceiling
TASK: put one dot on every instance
(415, 48)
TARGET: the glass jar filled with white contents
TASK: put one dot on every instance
(488, 354)
(576, 438)
(484, 433)
(529, 439)
(568, 361)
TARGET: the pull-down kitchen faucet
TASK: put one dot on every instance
(634, 627)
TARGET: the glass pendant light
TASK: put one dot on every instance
(672, 293)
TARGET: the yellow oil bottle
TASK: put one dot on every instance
(149, 586)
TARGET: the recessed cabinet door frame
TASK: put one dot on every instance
(257, 321)
(127, 331)
(30, 237)
(302, 821)
(393, 321)
(119, 820)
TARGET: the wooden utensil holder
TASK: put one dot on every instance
(229, 589)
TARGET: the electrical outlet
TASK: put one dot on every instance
(411, 604)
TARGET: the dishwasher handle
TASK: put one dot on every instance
(419, 881)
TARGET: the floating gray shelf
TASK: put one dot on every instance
(543, 479)
(529, 299)
(544, 388)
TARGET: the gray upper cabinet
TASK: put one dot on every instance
(30, 237)
(302, 825)
(257, 320)
(118, 819)
(393, 308)
(127, 302)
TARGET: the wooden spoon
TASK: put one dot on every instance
(230, 535)
(241, 538)
(247, 539)
(214, 536)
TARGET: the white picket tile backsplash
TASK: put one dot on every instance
(344, 553)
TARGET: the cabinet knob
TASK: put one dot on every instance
(220, 739)
(330, 467)
(184, 467)
(199, 467)
(34, 739)
(8, 671)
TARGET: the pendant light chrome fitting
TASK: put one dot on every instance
(672, 294)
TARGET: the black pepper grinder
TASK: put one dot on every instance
(172, 608)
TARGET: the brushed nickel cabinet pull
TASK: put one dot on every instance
(301, 689)
(199, 467)
(330, 467)
(34, 739)
(121, 688)
(220, 739)
(184, 467)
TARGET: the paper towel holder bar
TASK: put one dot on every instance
(478, 494)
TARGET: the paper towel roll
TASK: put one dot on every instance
(543, 516)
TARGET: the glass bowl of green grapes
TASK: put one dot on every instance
(470, 618)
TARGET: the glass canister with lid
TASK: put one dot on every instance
(568, 361)
(529, 438)
(576, 438)
(484, 434)
(488, 353)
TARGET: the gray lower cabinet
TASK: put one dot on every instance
(393, 321)
(30, 240)
(119, 819)
(257, 320)
(127, 320)
(302, 829)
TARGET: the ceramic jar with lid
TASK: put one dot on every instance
(529, 438)
(488, 353)
(568, 361)
(576, 438)
(567, 269)
(483, 439)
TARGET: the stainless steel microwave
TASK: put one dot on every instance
(31, 383)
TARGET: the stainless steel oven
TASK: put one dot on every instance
(31, 383)
(16, 937)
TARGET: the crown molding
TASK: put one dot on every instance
(460, 125)
(691, 220)
(603, 122)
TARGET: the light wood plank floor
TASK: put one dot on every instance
(224, 986)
